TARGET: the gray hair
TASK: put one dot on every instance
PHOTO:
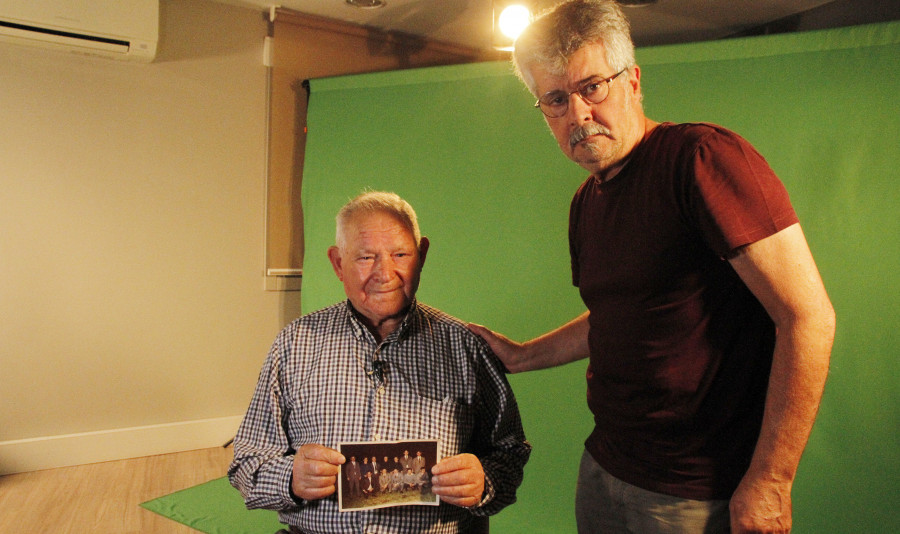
(377, 201)
(562, 30)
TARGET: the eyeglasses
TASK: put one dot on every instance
(556, 103)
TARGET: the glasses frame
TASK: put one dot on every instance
(580, 91)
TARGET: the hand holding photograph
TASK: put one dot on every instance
(379, 474)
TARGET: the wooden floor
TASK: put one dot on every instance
(105, 497)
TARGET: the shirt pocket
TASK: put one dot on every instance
(428, 409)
(448, 421)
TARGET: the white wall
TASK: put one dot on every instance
(133, 316)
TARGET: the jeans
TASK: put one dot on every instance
(605, 504)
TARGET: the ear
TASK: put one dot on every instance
(635, 80)
(334, 256)
(423, 250)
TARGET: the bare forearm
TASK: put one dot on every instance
(566, 344)
(799, 371)
(781, 273)
(762, 501)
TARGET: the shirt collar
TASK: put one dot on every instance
(402, 332)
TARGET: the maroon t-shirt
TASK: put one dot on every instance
(680, 348)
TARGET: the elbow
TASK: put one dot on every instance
(826, 322)
(830, 323)
(821, 328)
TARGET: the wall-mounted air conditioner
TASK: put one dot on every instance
(118, 29)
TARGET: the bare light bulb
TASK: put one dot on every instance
(513, 20)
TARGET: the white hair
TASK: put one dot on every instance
(557, 33)
(377, 201)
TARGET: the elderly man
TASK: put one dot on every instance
(708, 330)
(380, 366)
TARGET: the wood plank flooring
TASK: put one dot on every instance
(105, 497)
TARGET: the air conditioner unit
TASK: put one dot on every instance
(118, 29)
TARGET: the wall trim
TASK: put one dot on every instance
(49, 452)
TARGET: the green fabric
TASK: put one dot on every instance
(492, 191)
(215, 508)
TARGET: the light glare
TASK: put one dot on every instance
(513, 20)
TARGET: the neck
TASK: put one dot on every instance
(645, 127)
(383, 327)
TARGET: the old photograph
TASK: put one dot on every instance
(378, 474)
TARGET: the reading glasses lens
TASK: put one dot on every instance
(594, 91)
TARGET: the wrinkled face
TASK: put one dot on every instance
(379, 266)
(596, 136)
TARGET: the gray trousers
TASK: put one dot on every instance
(605, 504)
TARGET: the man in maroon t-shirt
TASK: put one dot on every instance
(708, 330)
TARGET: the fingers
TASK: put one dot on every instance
(459, 480)
(456, 463)
(488, 335)
(478, 329)
(316, 452)
(315, 471)
(509, 352)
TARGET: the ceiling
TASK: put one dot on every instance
(468, 22)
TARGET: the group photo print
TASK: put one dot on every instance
(379, 474)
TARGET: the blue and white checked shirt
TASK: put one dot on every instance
(440, 382)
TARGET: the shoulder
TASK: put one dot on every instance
(462, 341)
(319, 318)
(694, 135)
(699, 148)
(437, 316)
(688, 134)
(314, 329)
(445, 321)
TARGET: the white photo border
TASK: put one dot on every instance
(410, 489)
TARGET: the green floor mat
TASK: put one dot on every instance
(214, 508)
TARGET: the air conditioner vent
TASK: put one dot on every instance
(118, 29)
(59, 33)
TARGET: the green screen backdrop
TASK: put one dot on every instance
(464, 146)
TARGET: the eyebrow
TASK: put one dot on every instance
(578, 84)
(589, 78)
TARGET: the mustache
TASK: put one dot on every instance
(586, 130)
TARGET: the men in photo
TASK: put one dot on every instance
(365, 467)
(354, 474)
(368, 487)
(418, 463)
(405, 461)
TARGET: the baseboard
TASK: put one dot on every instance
(49, 452)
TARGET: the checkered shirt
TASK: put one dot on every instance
(440, 382)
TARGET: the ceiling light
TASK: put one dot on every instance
(366, 4)
(513, 20)
(511, 17)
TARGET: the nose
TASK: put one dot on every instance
(383, 269)
(580, 110)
